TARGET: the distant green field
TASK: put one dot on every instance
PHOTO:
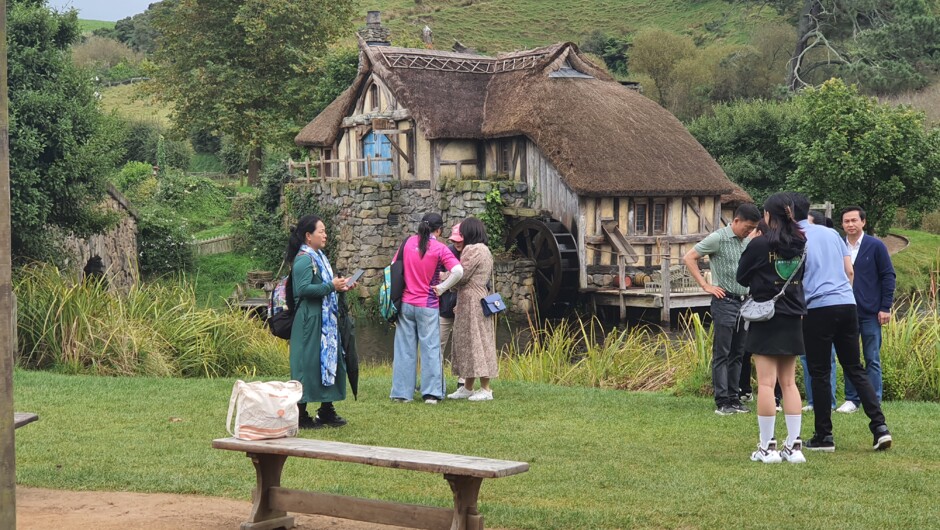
(503, 25)
(91, 25)
(123, 99)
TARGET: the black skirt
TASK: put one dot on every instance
(781, 335)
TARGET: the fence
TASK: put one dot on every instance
(215, 245)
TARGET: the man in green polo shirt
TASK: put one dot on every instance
(723, 248)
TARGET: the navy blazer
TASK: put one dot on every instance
(874, 278)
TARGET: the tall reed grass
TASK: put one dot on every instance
(580, 353)
(910, 353)
(74, 326)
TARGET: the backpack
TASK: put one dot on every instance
(280, 317)
(392, 288)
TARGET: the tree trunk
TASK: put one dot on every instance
(254, 166)
(805, 28)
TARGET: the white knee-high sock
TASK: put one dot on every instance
(766, 426)
(794, 423)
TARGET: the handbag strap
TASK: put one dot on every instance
(792, 274)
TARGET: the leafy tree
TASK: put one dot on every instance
(61, 146)
(242, 68)
(615, 51)
(137, 31)
(850, 149)
(656, 53)
(749, 141)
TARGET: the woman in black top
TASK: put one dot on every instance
(766, 264)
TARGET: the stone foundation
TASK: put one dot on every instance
(375, 216)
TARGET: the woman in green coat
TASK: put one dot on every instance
(316, 352)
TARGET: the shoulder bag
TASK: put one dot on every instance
(754, 311)
(264, 410)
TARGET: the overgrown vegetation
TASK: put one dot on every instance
(70, 326)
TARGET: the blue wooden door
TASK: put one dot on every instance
(377, 146)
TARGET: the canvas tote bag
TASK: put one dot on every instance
(264, 410)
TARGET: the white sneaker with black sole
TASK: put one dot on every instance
(766, 456)
(847, 408)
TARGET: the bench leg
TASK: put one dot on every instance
(466, 490)
(268, 470)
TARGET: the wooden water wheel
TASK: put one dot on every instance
(553, 249)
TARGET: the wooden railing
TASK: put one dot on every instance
(330, 169)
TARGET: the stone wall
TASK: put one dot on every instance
(375, 216)
(117, 248)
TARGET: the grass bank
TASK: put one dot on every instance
(918, 265)
(599, 458)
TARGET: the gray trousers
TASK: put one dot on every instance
(728, 348)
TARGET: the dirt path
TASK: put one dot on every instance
(894, 243)
(43, 509)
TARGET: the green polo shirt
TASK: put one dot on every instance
(724, 249)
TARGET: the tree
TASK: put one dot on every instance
(750, 142)
(850, 149)
(243, 67)
(61, 146)
(656, 52)
(883, 44)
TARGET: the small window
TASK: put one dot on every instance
(659, 218)
(642, 212)
(327, 163)
(374, 97)
(504, 157)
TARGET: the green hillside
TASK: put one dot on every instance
(91, 25)
(502, 25)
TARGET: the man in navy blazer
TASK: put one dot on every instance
(874, 293)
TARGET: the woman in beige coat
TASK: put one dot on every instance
(474, 346)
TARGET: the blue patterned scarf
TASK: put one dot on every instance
(328, 329)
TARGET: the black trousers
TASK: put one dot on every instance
(837, 325)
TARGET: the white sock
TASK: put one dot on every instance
(766, 426)
(794, 423)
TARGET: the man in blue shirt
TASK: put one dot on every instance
(832, 319)
(874, 294)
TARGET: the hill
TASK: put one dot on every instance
(125, 100)
(493, 26)
(88, 26)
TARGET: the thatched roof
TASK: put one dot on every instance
(736, 198)
(602, 137)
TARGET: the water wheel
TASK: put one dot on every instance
(553, 249)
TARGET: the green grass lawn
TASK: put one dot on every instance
(599, 458)
(913, 265)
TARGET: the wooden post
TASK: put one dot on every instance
(307, 168)
(7, 440)
(664, 316)
(263, 517)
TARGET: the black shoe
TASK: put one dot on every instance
(824, 444)
(739, 408)
(725, 410)
(746, 397)
(882, 440)
(334, 420)
(306, 422)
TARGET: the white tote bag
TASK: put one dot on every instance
(264, 410)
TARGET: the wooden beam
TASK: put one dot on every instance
(366, 510)
(7, 443)
(703, 223)
(652, 240)
(664, 315)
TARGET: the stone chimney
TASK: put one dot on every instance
(375, 34)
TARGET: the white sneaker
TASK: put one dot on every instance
(808, 408)
(767, 456)
(794, 453)
(461, 393)
(481, 395)
(848, 408)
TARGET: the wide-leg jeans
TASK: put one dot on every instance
(870, 330)
(418, 329)
(823, 328)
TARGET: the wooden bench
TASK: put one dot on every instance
(271, 502)
(23, 418)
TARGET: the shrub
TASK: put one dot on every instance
(163, 242)
(132, 175)
(81, 327)
(931, 222)
(142, 138)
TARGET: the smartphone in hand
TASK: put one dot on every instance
(355, 277)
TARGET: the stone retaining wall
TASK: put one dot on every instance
(375, 216)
